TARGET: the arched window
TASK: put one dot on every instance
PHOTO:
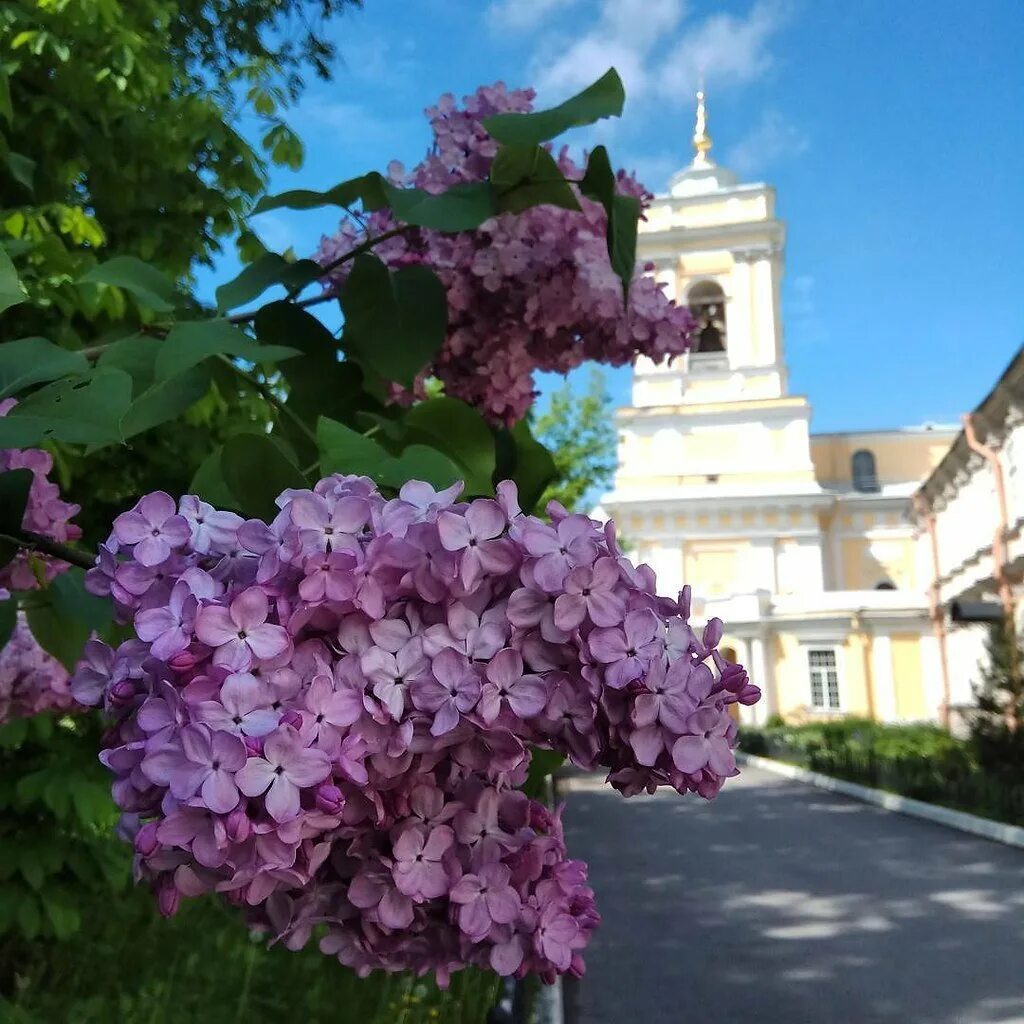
(707, 306)
(885, 585)
(865, 477)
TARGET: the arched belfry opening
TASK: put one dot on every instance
(706, 301)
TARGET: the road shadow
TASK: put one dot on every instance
(780, 904)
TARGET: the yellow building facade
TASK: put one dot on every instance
(800, 542)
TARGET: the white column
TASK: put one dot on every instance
(739, 330)
(757, 669)
(931, 675)
(765, 349)
(762, 575)
(882, 677)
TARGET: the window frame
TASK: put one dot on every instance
(825, 708)
(873, 485)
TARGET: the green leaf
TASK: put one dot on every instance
(12, 291)
(84, 411)
(29, 361)
(70, 599)
(136, 355)
(526, 176)
(395, 322)
(623, 214)
(57, 634)
(14, 487)
(265, 272)
(165, 400)
(32, 871)
(367, 189)
(8, 620)
(604, 98)
(344, 450)
(461, 433)
(208, 482)
(318, 383)
(22, 169)
(418, 462)
(543, 764)
(63, 916)
(191, 342)
(462, 207)
(29, 920)
(533, 469)
(256, 471)
(92, 803)
(6, 110)
(149, 286)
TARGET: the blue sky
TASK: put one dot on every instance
(892, 130)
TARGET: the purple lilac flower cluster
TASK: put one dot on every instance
(527, 291)
(31, 681)
(45, 514)
(326, 719)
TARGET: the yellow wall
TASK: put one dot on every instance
(792, 681)
(898, 457)
(907, 676)
(717, 564)
(865, 563)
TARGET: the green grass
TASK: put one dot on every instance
(130, 966)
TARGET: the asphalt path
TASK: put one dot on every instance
(778, 903)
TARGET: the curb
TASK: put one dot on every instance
(1008, 835)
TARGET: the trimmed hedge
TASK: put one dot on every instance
(918, 761)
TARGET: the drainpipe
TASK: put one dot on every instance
(934, 605)
(999, 550)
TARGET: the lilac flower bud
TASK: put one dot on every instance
(146, 842)
(168, 898)
(329, 798)
(182, 662)
(238, 825)
(122, 693)
(293, 718)
(713, 633)
(253, 745)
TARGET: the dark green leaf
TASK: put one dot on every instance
(394, 322)
(460, 208)
(367, 189)
(256, 471)
(64, 918)
(136, 355)
(29, 920)
(418, 462)
(265, 272)
(92, 802)
(344, 450)
(11, 289)
(22, 169)
(8, 620)
(543, 764)
(164, 401)
(191, 342)
(209, 484)
(526, 176)
(70, 598)
(146, 283)
(623, 214)
(604, 98)
(461, 433)
(29, 361)
(57, 634)
(534, 467)
(14, 487)
(86, 411)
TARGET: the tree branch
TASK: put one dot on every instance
(66, 553)
(268, 394)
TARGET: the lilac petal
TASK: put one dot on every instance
(282, 799)
(308, 768)
(505, 667)
(214, 626)
(570, 611)
(151, 623)
(485, 519)
(249, 610)
(605, 609)
(267, 641)
(152, 551)
(528, 697)
(453, 531)
(647, 744)
(219, 792)
(503, 905)
(395, 910)
(606, 645)
(132, 527)
(254, 777)
(446, 719)
(690, 753)
(474, 919)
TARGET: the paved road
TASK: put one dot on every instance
(782, 904)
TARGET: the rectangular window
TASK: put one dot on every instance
(824, 674)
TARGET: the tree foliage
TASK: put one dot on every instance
(579, 431)
(997, 724)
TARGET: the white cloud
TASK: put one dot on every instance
(771, 138)
(725, 49)
(626, 36)
(660, 52)
(519, 15)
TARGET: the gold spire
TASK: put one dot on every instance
(701, 139)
